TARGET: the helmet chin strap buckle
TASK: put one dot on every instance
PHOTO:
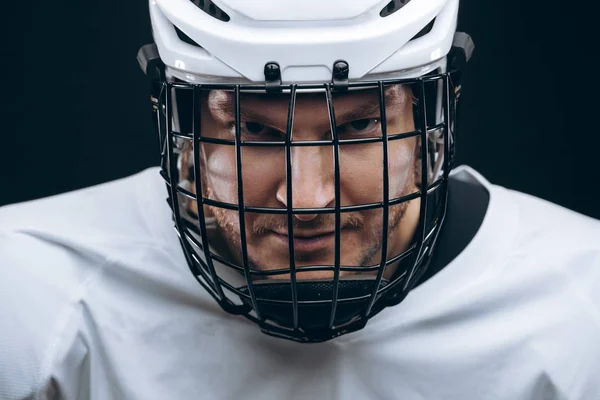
(339, 77)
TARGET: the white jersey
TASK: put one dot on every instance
(97, 302)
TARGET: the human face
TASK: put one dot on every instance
(265, 118)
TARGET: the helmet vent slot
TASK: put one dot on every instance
(185, 38)
(426, 29)
(392, 7)
(212, 9)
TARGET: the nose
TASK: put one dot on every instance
(312, 180)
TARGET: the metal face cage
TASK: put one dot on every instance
(300, 300)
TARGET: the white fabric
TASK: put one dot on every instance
(96, 302)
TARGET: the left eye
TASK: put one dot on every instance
(360, 126)
(255, 131)
(253, 128)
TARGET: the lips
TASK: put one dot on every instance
(307, 241)
(306, 234)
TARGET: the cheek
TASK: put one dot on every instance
(401, 166)
(220, 172)
(401, 154)
(362, 171)
(262, 171)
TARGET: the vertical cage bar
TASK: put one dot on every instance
(163, 132)
(187, 251)
(196, 129)
(386, 199)
(421, 231)
(447, 133)
(338, 233)
(447, 117)
(241, 212)
(290, 209)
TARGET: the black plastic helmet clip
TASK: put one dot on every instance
(150, 62)
(273, 77)
(462, 50)
(339, 78)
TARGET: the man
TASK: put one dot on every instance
(307, 163)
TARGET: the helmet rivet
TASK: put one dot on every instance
(340, 70)
(272, 71)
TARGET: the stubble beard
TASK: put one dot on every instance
(227, 222)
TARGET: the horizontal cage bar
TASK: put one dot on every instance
(301, 211)
(253, 87)
(306, 143)
(308, 268)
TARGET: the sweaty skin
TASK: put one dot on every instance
(265, 118)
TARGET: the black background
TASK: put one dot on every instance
(75, 108)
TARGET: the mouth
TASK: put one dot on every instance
(307, 242)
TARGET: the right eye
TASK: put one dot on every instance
(253, 128)
(256, 131)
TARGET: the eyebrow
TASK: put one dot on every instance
(394, 96)
(359, 113)
(222, 104)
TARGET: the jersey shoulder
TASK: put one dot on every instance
(558, 231)
(120, 208)
(40, 284)
(51, 251)
(554, 268)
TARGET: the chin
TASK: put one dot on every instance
(310, 275)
